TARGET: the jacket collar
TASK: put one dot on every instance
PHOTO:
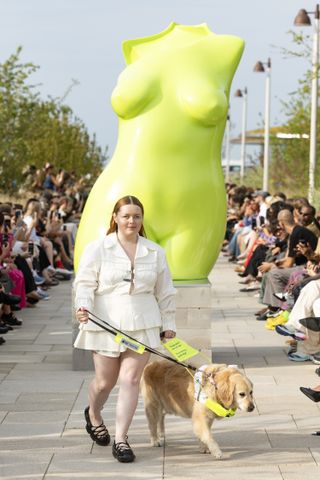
(143, 246)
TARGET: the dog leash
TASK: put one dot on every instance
(215, 407)
(115, 331)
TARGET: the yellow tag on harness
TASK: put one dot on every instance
(179, 349)
(131, 344)
(219, 409)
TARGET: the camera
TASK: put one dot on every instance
(30, 248)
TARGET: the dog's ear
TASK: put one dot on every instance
(225, 388)
(210, 372)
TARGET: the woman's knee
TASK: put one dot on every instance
(103, 385)
(130, 380)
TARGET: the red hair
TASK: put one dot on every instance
(127, 200)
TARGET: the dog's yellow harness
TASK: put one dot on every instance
(201, 397)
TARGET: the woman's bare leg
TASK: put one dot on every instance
(131, 369)
(106, 374)
(48, 248)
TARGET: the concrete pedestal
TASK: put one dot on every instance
(193, 318)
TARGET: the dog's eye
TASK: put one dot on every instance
(242, 394)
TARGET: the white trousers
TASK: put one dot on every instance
(307, 305)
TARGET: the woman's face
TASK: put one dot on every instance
(129, 220)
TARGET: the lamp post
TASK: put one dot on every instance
(303, 19)
(259, 67)
(227, 148)
(244, 95)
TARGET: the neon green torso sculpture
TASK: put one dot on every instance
(172, 103)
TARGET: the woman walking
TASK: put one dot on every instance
(123, 278)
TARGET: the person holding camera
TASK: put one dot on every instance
(60, 238)
(43, 245)
(122, 278)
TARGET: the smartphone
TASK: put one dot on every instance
(59, 216)
(254, 223)
(7, 222)
(5, 238)
(18, 214)
(30, 248)
(64, 228)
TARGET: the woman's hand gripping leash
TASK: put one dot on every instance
(82, 315)
(167, 335)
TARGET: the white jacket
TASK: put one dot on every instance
(102, 286)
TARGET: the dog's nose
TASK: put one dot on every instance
(251, 407)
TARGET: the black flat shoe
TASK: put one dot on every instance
(123, 452)
(312, 394)
(4, 325)
(98, 434)
(311, 323)
(317, 371)
(11, 320)
(32, 300)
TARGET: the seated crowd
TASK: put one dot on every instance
(274, 242)
(36, 248)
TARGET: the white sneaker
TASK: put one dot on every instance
(64, 273)
(44, 295)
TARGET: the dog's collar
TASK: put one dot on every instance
(218, 409)
(201, 397)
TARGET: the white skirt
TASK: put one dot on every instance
(103, 342)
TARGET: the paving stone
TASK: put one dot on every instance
(41, 417)
(28, 466)
(215, 471)
(8, 397)
(20, 358)
(310, 472)
(30, 430)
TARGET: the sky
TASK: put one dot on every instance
(81, 40)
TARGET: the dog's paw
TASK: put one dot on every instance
(217, 454)
(156, 443)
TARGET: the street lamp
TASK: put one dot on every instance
(227, 148)
(303, 19)
(243, 94)
(259, 67)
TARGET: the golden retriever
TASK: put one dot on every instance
(169, 388)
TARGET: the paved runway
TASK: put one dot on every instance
(42, 433)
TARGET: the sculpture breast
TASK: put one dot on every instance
(172, 103)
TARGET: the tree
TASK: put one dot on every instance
(34, 131)
(289, 166)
